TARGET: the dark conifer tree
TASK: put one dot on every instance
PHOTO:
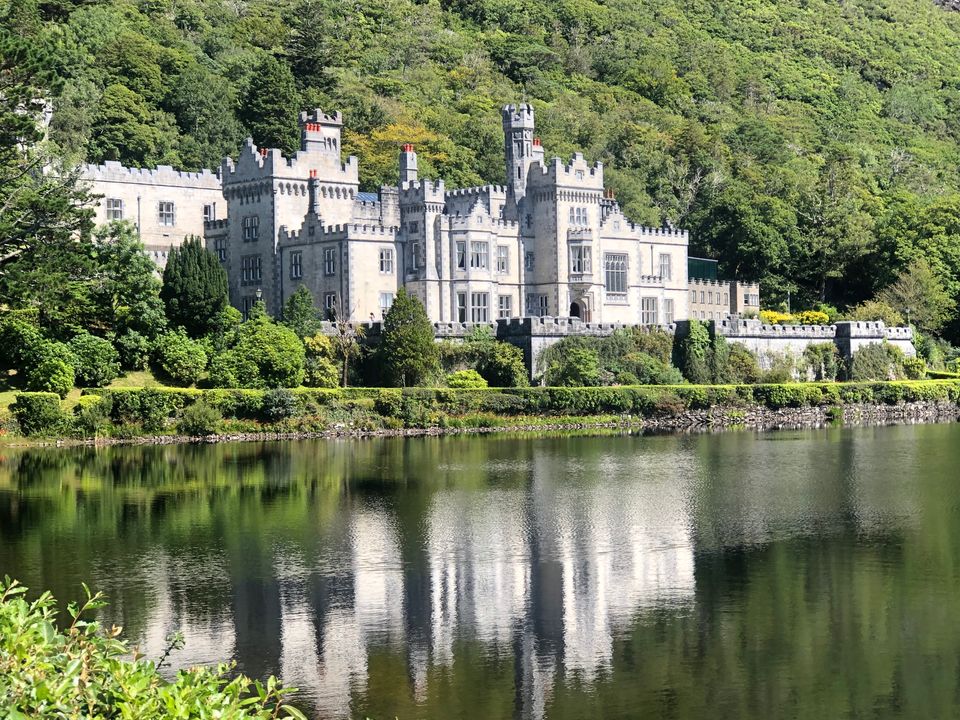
(269, 107)
(194, 291)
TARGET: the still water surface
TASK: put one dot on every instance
(811, 574)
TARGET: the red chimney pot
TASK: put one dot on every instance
(536, 142)
(407, 147)
(313, 173)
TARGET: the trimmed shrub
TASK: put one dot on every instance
(501, 365)
(38, 413)
(19, 338)
(877, 361)
(51, 375)
(279, 404)
(134, 350)
(914, 368)
(199, 420)
(97, 362)
(693, 354)
(579, 366)
(92, 415)
(822, 361)
(812, 317)
(742, 365)
(466, 379)
(179, 358)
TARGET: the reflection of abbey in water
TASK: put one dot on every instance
(551, 574)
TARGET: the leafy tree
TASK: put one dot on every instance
(320, 368)
(125, 291)
(578, 366)
(694, 354)
(194, 290)
(179, 358)
(919, 294)
(873, 310)
(124, 129)
(269, 106)
(407, 349)
(265, 355)
(300, 314)
(97, 362)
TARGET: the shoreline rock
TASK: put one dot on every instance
(756, 418)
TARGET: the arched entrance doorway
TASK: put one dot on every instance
(575, 310)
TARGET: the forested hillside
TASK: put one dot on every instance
(813, 144)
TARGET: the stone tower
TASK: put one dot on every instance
(518, 147)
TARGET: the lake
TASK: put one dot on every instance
(794, 574)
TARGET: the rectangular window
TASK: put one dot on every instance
(247, 305)
(461, 307)
(505, 306)
(114, 209)
(666, 270)
(726, 300)
(537, 305)
(251, 269)
(386, 260)
(693, 296)
(461, 255)
(479, 255)
(667, 312)
(296, 265)
(479, 307)
(648, 311)
(503, 259)
(386, 300)
(710, 298)
(528, 261)
(415, 259)
(220, 246)
(412, 226)
(580, 260)
(166, 214)
(330, 261)
(251, 228)
(703, 297)
(615, 267)
(330, 303)
(210, 212)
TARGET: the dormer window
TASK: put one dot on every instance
(579, 174)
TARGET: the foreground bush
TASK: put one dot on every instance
(85, 671)
(179, 358)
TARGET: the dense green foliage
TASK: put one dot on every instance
(408, 353)
(87, 671)
(194, 288)
(808, 143)
(260, 354)
(179, 358)
(133, 411)
(97, 362)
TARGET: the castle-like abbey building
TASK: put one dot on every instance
(550, 242)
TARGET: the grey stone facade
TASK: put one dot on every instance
(164, 204)
(550, 242)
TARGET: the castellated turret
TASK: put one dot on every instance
(408, 164)
(518, 128)
(320, 132)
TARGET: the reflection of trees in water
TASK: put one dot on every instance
(502, 577)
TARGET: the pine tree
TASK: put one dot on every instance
(408, 350)
(269, 106)
(194, 290)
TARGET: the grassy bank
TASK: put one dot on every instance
(134, 412)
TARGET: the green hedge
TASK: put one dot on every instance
(133, 411)
(157, 409)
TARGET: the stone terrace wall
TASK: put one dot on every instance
(533, 335)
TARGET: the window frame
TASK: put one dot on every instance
(329, 261)
(164, 214)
